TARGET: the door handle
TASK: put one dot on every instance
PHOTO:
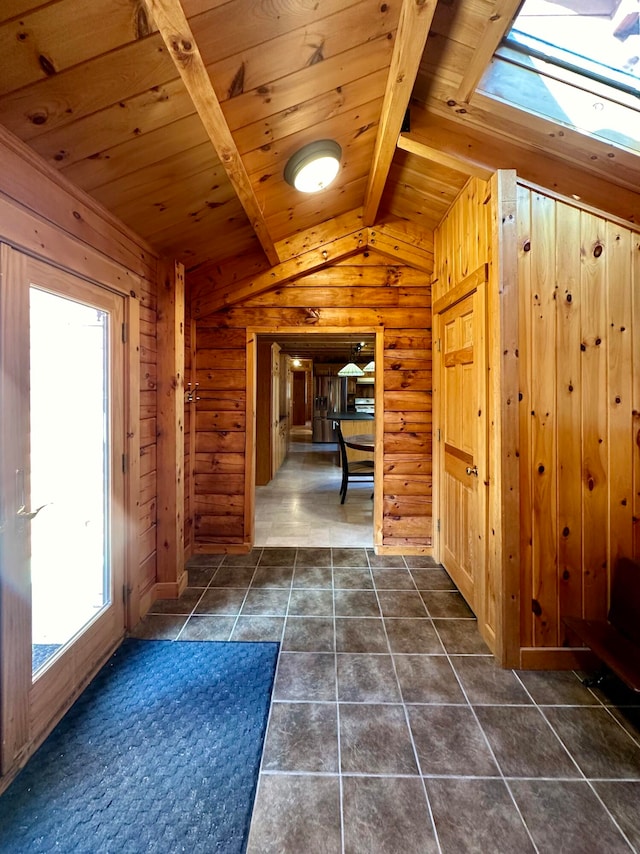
(23, 513)
(472, 470)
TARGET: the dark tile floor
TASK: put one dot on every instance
(391, 728)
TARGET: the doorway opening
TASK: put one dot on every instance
(298, 471)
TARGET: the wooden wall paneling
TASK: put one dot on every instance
(379, 452)
(525, 406)
(591, 260)
(170, 531)
(569, 407)
(263, 413)
(328, 318)
(543, 422)
(406, 521)
(221, 438)
(189, 431)
(488, 587)
(635, 336)
(403, 349)
(619, 393)
(250, 441)
(132, 450)
(497, 240)
(595, 413)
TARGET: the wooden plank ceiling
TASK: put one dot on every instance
(180, 115)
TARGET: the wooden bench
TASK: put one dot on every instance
(616, 640)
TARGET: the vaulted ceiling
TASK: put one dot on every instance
(179, 117)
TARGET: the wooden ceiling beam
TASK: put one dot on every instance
(496, 26)
(412, 144)
(280, 274)
(411, 37)
(181, 44)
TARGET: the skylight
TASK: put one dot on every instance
(600, 38)
(575, 63)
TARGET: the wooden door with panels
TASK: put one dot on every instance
(462, 408)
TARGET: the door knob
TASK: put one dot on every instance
(472, 470)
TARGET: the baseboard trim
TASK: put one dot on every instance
(170, 589)
(557, 658)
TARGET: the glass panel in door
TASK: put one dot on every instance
(70, 470)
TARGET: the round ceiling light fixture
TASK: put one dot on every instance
(314, 166)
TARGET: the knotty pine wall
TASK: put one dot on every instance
(147, 502)
(189, 430)
(579, 283)
(363, 291)
(462, 241)
(563, 324)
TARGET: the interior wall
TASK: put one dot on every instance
(147, 501)
(365, 291)
(579, 280)
(190, 402)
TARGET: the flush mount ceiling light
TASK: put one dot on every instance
(314, 166)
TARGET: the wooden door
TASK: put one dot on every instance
(61, 492)
(462, 414)
(299, 403)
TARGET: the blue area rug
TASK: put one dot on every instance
(159, 754)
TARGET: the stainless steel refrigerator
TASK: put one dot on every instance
(330, 395)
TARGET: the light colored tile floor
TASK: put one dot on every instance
(301, 506)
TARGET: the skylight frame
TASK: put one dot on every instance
(542, 85)
(527, 45)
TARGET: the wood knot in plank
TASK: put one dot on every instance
(46, 65)
(182, 49)
(237, 84)
(141, 23)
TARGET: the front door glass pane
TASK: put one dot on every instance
(69, 474)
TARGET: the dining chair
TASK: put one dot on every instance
(361, 470)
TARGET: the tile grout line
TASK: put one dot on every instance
(337, 695)
(405, 711)
(261, 773)
(490, 748)
(584, 779)
(246, 593)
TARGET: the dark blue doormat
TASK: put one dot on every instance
(159, 754)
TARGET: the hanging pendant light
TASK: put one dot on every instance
(351, 369)
(370, 367)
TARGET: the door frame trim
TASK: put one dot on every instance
(14, 756)
(250, 445)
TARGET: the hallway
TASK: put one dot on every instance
(301, 504)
